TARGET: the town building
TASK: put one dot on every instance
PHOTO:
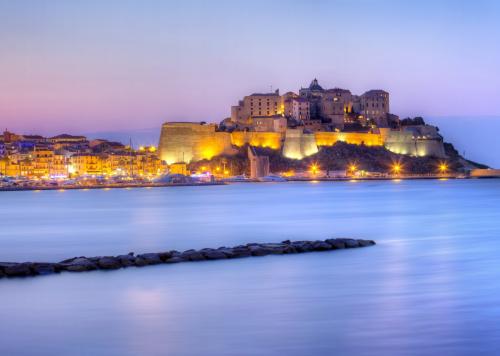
(273, 123)
(314, 108)
(66, 155)
(374, 106)
(269, 104)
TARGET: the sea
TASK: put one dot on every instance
(430, 286)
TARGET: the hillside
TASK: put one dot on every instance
(339, 157)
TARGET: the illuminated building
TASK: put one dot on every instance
(374, 106)
(269, 104)
(86, 164)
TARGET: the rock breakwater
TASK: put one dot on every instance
(82, 264)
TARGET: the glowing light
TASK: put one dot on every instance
(314, 168)
(397, 168)
(443, 167)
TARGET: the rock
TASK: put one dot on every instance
(126, 260)
(95, 259)
(351, 243)
(286, 242)
(192, 255)
(321, 246)
(19, 270)
(274, 249)
(69, 260)
(336, 244)
(228, 252)
(241, 251)
(4, 265)
(175, 259)
(257, 250)
(140, 262)
(109, 263)
(364, 243)
(211, 254)
(45, 268)
(79, 264)
(151, 258)
(302, 246)
(290, 249)
(165, 255)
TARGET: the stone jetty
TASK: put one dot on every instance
(83, 264)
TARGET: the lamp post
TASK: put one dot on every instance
(443, 168)
(396, 168)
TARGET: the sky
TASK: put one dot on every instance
(103, 65)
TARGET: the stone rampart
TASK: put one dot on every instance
(191, 142)
(355, 138)
(259, 139)
(405, 142)
(298, 144)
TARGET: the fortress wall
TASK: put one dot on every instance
(188, 142)
(430, 148)
(259, 139)
(402, 142)
(298, 145)
(355, 138)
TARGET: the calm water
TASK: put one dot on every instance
(430, 286)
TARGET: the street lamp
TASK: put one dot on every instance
(396, 168)
(314, 168)
(443, 167)
(352, 168)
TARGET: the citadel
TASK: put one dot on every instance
(300, 124)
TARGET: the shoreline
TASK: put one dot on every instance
(288, 179)
(84, 264)
(350, 179)
(106, 186)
